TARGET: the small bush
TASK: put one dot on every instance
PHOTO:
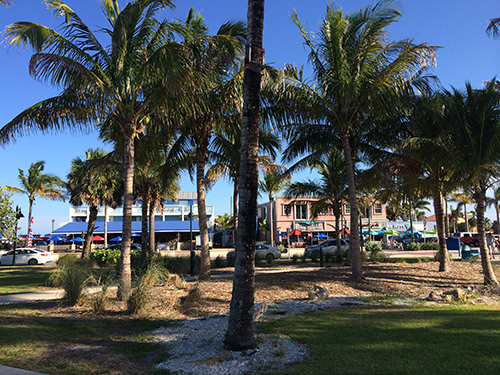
(413, 246)
(99, 300)
(219, 262)
(193, 298)
(429, 246)
(141, 294)
(295, 258)
(315, 256)
(231, 260)
(112, 256)
(373, 246)
(73, 277)
(180, 265)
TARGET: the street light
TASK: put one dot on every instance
(19, 215)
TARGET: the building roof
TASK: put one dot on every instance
(116, 227)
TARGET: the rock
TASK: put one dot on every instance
(319, 293)
(258, 311)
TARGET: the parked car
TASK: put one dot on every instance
(329, 247)
(262, 252)
(469, 238)
(26, 255)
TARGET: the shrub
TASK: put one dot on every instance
(73, 277)
(315, 256)
(219, 262)
(141, 294)
(295, 258)
(413, 246)
(231, 260)
(180, 265)
(429, 246)
(373, 246)
(193, 298)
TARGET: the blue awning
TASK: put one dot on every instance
(116, 227)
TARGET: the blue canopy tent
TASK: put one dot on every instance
(135, 235)
(55, 238)
(116, 239)
(77, 239)
(320, 235)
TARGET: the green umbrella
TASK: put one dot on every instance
(392, 232)
(432, 231)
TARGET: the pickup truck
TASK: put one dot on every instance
(406, 238)
(471, 239)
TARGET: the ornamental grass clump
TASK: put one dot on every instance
(141, 295)
(73, 276)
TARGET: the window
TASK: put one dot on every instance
(301, 211)
(347, 209)
(287, 209)
(377, 208)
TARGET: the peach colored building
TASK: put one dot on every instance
(290, 214)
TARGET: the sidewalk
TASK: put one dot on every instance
(4, 370)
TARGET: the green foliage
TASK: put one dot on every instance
(180, 265)
(141, 294)
(219, 262)
(73, 277)
(375, 252)
(373, 246)
(7, 216)
(295, 258)
(231, 260)
(112, 256)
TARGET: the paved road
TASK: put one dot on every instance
(4, 370)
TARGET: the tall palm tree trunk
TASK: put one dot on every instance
(336, 212)
(128, 198)
(30, 211)
(235, 209)
(105, 226)
(202, 210)
(411, 222)
(240, 334)
(497, 209)
(271, 222)
(488, 274)
(465, 216)
(144, 228)
(152, 239)
(90, 231)
(443, 255)
(355, 247)
(446, 219)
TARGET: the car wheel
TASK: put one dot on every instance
(269, 258)
(33, 262)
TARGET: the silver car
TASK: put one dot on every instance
(329, 248)
(26, 255)
(262, 252)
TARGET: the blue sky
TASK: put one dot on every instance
(458, 26)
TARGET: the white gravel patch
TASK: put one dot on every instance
(196, 346)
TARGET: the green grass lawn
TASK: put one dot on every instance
(77, 345)
(23, 279)
(397, 340)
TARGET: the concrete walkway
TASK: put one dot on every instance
(4, 370)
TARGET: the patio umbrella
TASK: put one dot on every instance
(320, 235)
(97, 238)
(432, 231)
(1, 235)
(281, 235)
(55, 238)
(77, 239)
(116, 239)
(295, 232)
(135, 235)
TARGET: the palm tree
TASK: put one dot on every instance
(475, 118)
(215, 57)
(224, 222)
(273, 181)
(94, 181)
(116, 85)
(493, 201)
(240, 334)
(331, 189)
(359, 76)
(38, 184)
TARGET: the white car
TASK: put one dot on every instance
(262, 252)
(26, 255)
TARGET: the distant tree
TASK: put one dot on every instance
(7, 216)
(38, 184)
(493, 201)
(95, 180)
(224, 222)
(6, 2)
(475, 121)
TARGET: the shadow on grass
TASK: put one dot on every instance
(76, 345)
